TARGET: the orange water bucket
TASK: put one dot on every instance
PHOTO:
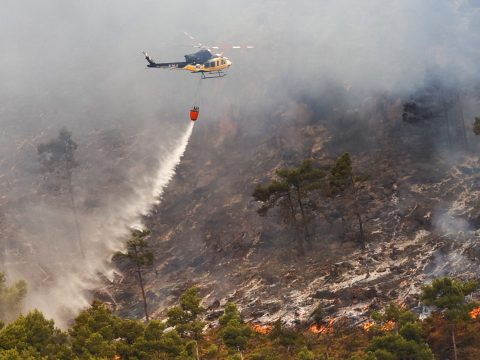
(194, 113)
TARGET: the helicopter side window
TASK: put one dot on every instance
(218, 62)
(212, 64)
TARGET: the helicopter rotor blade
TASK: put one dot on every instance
(215, 47)
(189, 36)
(232, 47)
(199, 45)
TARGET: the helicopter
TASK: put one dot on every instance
(204, 61)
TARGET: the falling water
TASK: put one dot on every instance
(165, 172)
(59, 279)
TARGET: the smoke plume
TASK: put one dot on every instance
(77, 65)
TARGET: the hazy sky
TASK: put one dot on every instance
(78, 64)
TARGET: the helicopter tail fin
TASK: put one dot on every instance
(149, 59)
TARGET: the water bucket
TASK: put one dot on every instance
(194, 113)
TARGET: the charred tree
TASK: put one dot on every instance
(343, 183)
(278, 193)
(57, 157)
(290, 192)
(476, 126)
(462, 122)
(432, 104)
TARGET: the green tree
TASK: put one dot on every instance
(290, 192)
(393, 317)
(399, 336)
(305, 354)
(14, 354)
(237, 356)
(449, 295)
(172, 344)
(284, 336)
(235, 333)
(97, 333)
(211, 352)
(32, 334)
(94, 331)
(11, 298)
(229, 313)
(343, 182)
(396, 347)
(185, 317)
(138, 252)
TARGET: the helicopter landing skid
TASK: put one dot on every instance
(214, 75)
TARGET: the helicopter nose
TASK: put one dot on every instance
(229, 63)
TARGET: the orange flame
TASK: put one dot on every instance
(389, 325)
(475, 313)
(261, 329)
(368, 325)
(401, 304)
(323, 329)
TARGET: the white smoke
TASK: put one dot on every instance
(60, 291)
(77, 64)
(450, 225)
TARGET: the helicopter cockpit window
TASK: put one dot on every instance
(207, 65)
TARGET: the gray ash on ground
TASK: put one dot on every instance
(420, 212)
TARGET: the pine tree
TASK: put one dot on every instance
(399, 336)
(343, 182)
(289, 192)
(58, 157)
(185, 317)
(138, 252)
(449, 295)
(235, 333)
(11, 298)
(33, 335)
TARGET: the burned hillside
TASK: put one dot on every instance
(417, 201)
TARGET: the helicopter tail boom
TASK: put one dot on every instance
(170, 65)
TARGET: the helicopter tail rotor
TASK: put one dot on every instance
(148, 58)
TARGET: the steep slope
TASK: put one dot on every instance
(418, 206)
